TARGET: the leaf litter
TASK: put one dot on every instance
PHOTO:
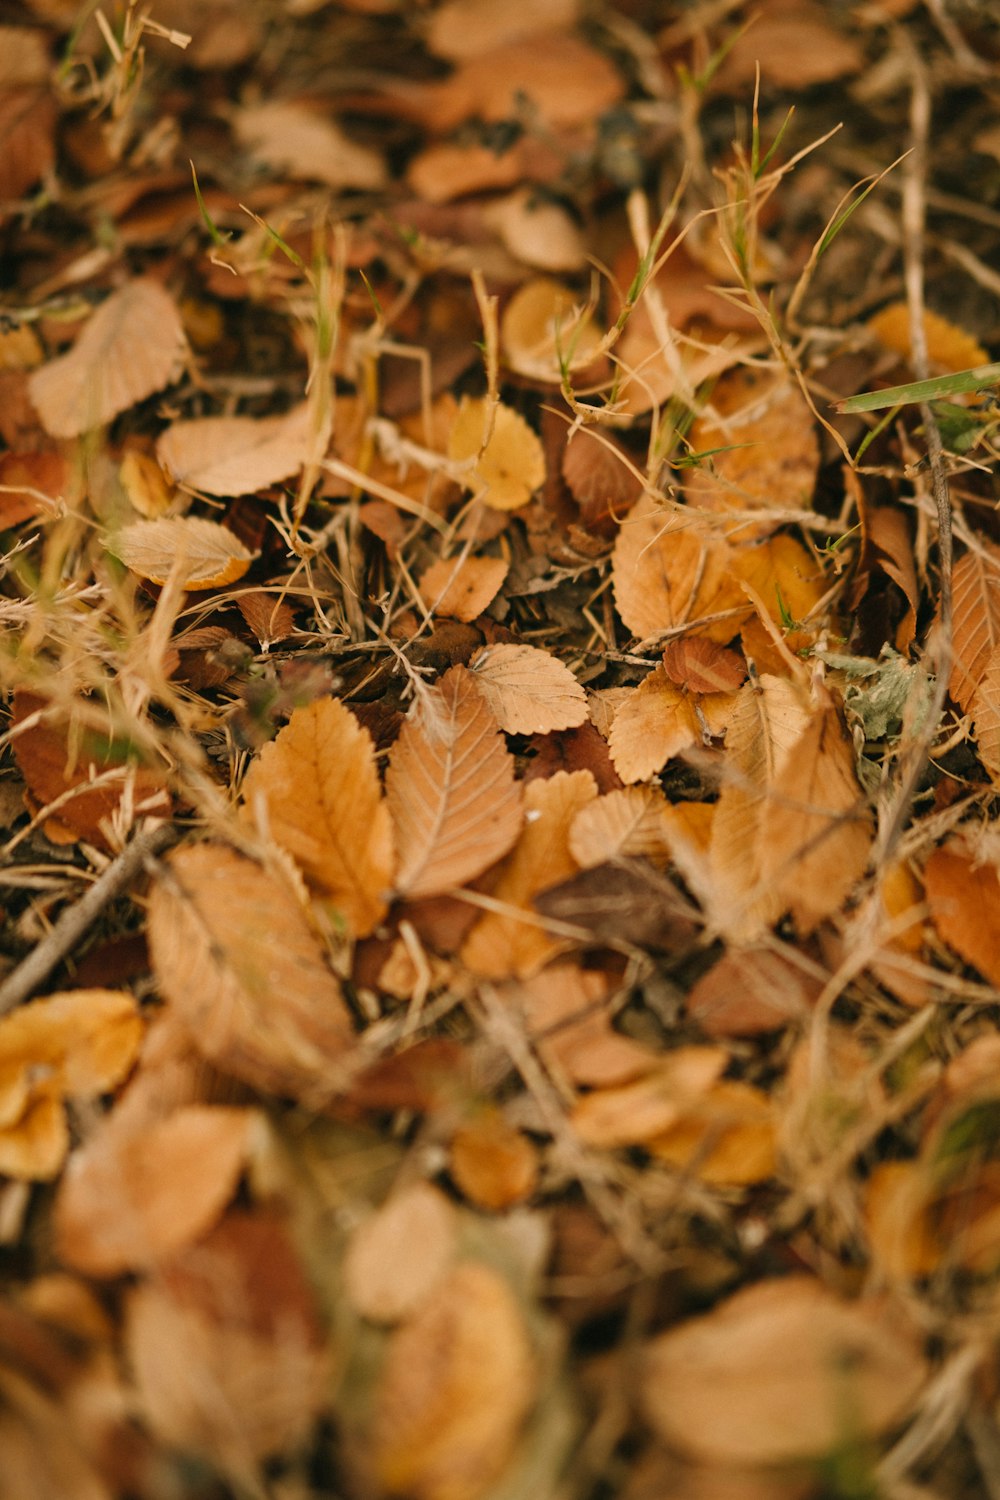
(485, 527)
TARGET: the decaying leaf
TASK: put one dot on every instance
(512, 939)
(132, 346)
(450, 789)
(782, 1370)
(315, 789)
(458, 1383)
(528, 691)
(244, 972)
(237, 455)
(511, 465)
(200, 554)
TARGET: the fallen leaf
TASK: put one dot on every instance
(450, 789)
(298, 142)
(623, 823)
(315, 788)
(528, 691)
(568, 1017)
(238, 455)
(671, 569)
(462, 587)
(458, 1383)
(493, 1164)
(963, 894)
(546, 332)
(750, 991)
(949, 347)
(397, 1256)
(727, 1137)
(236, 959)
(459, 29)
(510, 467)
(795, 45)
(132, 1196)
(635, 1112)
(131, 347)
(200, 554)
(975, 618)
(656, 722)
(513, 940)
(781, 1370)
(703, 666)
(602, 478)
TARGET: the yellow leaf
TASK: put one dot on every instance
(726, 1138)
(131, 347)
(315, 788)
(949, 347)
(510, 467)
(450, 790)
(544, 328)
(204, 554)
(528, 691)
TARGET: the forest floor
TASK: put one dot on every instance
(498, 993)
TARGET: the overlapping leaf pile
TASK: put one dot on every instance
(558, 1055)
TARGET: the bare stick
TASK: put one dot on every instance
(73, 923)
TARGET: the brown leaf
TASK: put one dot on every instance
(963, 894)
(568, 1017)
(318, 794)
(671, 569)
(201, 554)
(545, 330)
(750, 991)
(237, 455)
(244, 972)
(984, 707)
(131, 347)
(298, 142)
(135, 1194)
(270, 617)
(702, 666)
(459, 29)
(975, 618)
(28, 118)
(458, 1382)
(493, 1164)
(795, 46)
(60, 761)
(601, 476)
(450, 789)
(513, 940)
(782, 1370)
(462, 587)
(510, 467)
(623, 902)
(227, 1349)
(650, 727)
(396, 1258)
(529, 691)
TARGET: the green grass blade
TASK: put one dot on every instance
(938, 388)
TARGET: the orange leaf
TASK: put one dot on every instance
(984, 707)
(975, 618)
(727, 1137)
(318, 792)
(949, 347)
(237, 455)
(511, 465)
(203, 554)
(963, 894)
(131, 1196)
(624, 823)
(545, 330)
(640, 1110)
(493, 1164)
(749, 991)
(462, 587)
(702, 666)
(670, 569)
(131, 347)
(529, 691)
(650, 727)
(245, 974)
(568, 1016)
(397, 1256)
(450, 789)
(458, 1382)
(782, 1370)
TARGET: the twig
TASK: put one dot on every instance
(914, 221)
(73, 923)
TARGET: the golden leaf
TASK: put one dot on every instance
(244, 972)
(949, 347)
(493, 1164)
(727, 1137)
(204, 554)
(450, 790)
(131, 347)
(515, 942)
(510, 467)
(623, 823)
(654, 723)
(458, 1382)
(315, 788)
(672, 569)
(529, 691)
(545, 331)
(462, 587)
(782, 1370)
(628, 1113)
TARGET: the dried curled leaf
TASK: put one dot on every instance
(458, 1382)
(132, 346)
(238, 962)
(528, 691)
(782, 1370)
(450, 789)
(201, 554)
(512, 464)
(237, 455)
(316, 790)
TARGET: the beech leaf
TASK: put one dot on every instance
(205, 554)
(529, 691)
(237, 455)
(655, 722)
(512, 464)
